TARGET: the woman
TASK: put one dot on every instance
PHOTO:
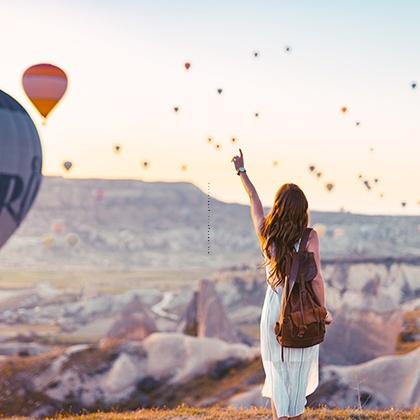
(287, 383)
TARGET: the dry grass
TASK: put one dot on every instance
(184, 412)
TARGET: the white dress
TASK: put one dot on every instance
(289, 382)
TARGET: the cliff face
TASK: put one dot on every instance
(137, 225)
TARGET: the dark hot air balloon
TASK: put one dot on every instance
(329, 186)
(318, 174)
(413, 85)
(287, 48)
(233, 140)
(67, 165)
(145, 164)
(209, 140)
(176, 108)
(219, 91)
(20, 165)
(312, 168)
(187, 65)
(343, 109)
(117, 148)
(218, 146)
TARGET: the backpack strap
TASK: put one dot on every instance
(295, 261)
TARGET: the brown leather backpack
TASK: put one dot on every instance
(302, 318)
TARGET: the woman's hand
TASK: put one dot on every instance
(328, 318)
(238, 160)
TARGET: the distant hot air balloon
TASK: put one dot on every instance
(319, 174)
(312, 168)
(357, 123)
(67, 165)
(187, 65)
(287, 48)
(209, 140)
(343, 109)
(275, 162)
(145, 164)
(58, 227)
(233, 140)
(367, 185)
(329, 186)
(20, 165)
(413, 85)
(99, 194)
(219, 91)
(360, 176)
(72, 239)
(256, 53)
(256, 115)
(218, 146)
(376, 180)
(45, 85)
(184, 167)
(403, 203)
(176, 108)
(117, 148)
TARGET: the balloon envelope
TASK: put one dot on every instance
(20, 165)
(45, 85)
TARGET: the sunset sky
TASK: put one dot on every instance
(125, 63)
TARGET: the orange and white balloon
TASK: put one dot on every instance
(45, 85)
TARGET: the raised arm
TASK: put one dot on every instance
(257, 211)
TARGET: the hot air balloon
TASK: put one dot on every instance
(72, 239)
(45, 85)
(343, 109)
(184, 167)
(145, 164)
(376, 180)
(99, 194)
(58, 227)
(209, 140)
(318, 174)
(256, 115)
(176, 108)
(218, 146)
(312, 168)
(219, 91)
(413, 85)
(275, 162)
(233, 140)
(403, 203)
(256, 53)
(67, 165)
(287, 48)
(329, 186)
(360, 176)
(20, 165)
(357, 123)
(187, 65)
(367, 185)
(117, 148)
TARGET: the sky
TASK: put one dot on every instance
(125, 64)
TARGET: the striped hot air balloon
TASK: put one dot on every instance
(45, 85)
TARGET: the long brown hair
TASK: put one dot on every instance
(282, 228)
